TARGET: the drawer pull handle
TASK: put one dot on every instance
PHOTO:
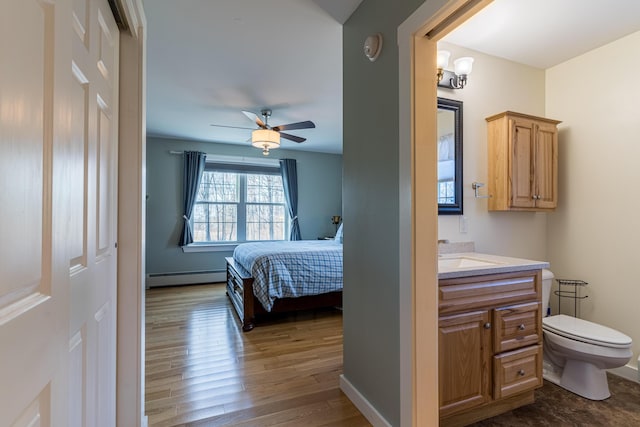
(487, 325)
(521, 372)
(521, 327)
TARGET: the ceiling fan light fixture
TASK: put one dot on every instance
(266, 139)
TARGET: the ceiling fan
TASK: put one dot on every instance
(268, 137)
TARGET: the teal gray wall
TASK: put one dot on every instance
(319, 188)
(371, 194)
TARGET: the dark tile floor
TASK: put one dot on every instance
(555, 406)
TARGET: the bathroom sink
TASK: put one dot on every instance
(452, 263)
(466, 264)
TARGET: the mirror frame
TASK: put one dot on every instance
(454, 208)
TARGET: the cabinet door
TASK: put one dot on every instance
(521, 149)
(546, 166)
(464, 361)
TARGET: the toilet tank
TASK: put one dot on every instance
(547, 281)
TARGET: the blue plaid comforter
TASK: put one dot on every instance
(291, 269)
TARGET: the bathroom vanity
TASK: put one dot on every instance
(490, 335)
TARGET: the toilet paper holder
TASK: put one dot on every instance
(476, 186)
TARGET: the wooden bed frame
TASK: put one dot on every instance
(247, 306)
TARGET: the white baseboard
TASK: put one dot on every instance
(363, 405)
(185, 278)
(629, 372)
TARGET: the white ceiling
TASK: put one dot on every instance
(544, 33)
(209, 60)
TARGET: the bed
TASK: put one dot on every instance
(271, 277)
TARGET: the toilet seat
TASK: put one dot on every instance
(585, 331)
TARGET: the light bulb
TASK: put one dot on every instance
(462, 66)
(443, 58)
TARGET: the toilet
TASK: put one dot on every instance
(577, 353)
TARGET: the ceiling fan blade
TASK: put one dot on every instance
(292, 137)
(232, 127)
(254, 117)
(293, 126)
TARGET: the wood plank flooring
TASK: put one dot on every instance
(202, 370)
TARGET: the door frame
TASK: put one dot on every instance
(418, 209)
(131, 216)
(417, 44)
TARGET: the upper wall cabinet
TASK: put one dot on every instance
(523, 162)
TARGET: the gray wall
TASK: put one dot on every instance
(319, 188)
(371, 194)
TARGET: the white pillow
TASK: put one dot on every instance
(338, 237)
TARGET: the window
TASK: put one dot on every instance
(239, 203)
(446, 192)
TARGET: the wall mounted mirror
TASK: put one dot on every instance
(449, 157)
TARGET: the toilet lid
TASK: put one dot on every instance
(585, 331)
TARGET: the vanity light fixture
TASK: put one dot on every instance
(456, 79)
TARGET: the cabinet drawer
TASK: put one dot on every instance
(517, 371)
(517, 326)
(493, 290)
(234, 281)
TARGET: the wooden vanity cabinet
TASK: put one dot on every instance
(523, 162)
(489, 344)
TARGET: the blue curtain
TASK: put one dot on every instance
(194, 162)
(290, 183)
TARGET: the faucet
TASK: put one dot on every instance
(443, 241)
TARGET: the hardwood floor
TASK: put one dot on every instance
(202, 370)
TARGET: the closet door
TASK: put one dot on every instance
(57, 212)
(92, 239)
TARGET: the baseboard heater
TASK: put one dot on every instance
(185, 278)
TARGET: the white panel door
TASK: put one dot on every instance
(92, 240)
(57, 212)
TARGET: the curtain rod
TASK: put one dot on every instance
(237, 159)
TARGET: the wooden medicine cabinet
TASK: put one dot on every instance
(523, 162)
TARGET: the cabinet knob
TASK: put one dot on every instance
(521, 372)
(487, 325)
(521, 327)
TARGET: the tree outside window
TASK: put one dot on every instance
(239, 206)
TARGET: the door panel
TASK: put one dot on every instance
(93, 285)
(24, 158)
(77, 378)
(33, 213)
(104, 185)
(58, 162)
(546, 166)
(79, 148)
(37, 413)
(80, 16)
(463, 345)
(521, 148)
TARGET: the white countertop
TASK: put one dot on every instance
(475, 264)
